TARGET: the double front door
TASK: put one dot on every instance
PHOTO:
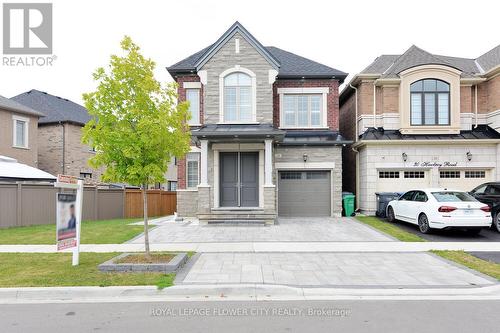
(239, 179)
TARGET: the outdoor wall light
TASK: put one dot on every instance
(304, 157)
(404, 156)
(469, 156)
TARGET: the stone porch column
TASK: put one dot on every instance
(204, 163)
(268, 163)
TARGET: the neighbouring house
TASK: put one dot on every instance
(265, 131)
(60, 150)
(18, 131)
(421, 120)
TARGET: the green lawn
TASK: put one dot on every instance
(390, 229)
(486, 267)
(93, 232)
(55, 269)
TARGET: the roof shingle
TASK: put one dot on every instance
(56, 109)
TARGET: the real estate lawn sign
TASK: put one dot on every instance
(69, 215)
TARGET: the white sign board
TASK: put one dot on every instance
(69, 215)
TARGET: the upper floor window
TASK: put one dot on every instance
(238, 102)
(302, 110)
(303, 107)
(430, 102)
(20, 131)
(193, 96)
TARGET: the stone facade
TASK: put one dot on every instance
(27, 155)
(239, 53)
(378, 158)
(374, 157)
(62, 152)
(318, 158)
(248, 58)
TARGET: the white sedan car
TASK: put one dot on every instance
(440, 209)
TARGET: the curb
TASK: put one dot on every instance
(245, 292)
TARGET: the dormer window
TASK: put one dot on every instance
(237, 97)
(430, 103)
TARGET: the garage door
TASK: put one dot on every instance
(402, 181)
(465, 180)
(304, 193)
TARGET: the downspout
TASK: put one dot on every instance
(475, 106)
(355, 141)
(63, 148)
(374, 105)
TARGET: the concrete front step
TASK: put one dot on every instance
(236, 217)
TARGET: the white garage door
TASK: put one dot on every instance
(402, 181)
(304, 193)
(464, 180)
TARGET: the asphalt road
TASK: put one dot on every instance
(313, 316)
(486, 235)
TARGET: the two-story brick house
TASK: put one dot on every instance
(60, 149)
(265, 130)
(421, 120)
(18, 132)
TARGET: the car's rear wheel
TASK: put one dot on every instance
(496, 221)
(423, 224)
(391, 217)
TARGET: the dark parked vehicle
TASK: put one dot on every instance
(489, 193)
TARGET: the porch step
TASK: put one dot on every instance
(237, 222)
(237, 218)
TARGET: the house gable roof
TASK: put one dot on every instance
(413, 57)
(237, 27)
(490, 59)
(290, 65)
(11, 105)
(56, 109)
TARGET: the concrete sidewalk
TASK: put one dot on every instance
(242, 292)
(255, 247)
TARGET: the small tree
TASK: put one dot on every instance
(137, 125)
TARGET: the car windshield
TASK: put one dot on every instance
(452, 196)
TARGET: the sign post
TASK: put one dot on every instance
(69, 215)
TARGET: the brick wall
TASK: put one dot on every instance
(181, 174)
(76, 154)
(182, 92)
(332, 98)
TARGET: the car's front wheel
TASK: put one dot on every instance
(423, 224)
(496, 221)
(391, 217)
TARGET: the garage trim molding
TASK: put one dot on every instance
(327, 166)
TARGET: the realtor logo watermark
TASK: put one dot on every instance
(27, 30)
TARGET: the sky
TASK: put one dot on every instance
(346, 35)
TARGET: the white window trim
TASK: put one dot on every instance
(324, 91)
(191, 85)
(26, 136)
(199, 102)
(252, 75)
(187, 171)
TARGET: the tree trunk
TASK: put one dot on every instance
(146, 227)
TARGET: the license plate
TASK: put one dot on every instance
(468, 211)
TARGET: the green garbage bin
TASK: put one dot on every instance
(348, 201)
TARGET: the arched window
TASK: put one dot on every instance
(430, 102)
(238, 97)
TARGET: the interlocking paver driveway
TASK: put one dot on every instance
(287, 230)
(330, 269)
